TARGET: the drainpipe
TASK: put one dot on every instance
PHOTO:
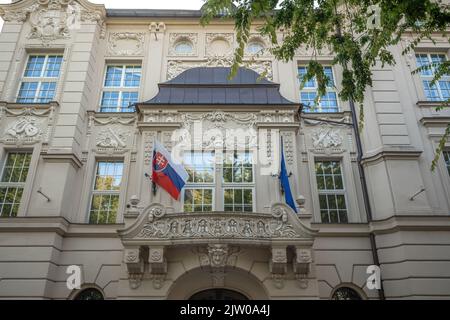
(362, 175)
(365, 192)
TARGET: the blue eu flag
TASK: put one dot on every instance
(284, 179)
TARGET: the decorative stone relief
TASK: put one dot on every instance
(324, 138)
(114, 138)
(126, 44)
(17, 16)
(176, 38)
(288, 144)
(176, 67)
(52, 20)
(233, 226)
(149, 138)
(29, 126)
(219, 44)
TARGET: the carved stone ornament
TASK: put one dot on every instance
(176, 67)
(217, 256)
(53, 19)
(29, 125)
(324, 138)
(114, 138)
(179, 226)
(176, 38)
(219, 44)
(126, 44)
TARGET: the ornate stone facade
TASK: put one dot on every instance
(156, 250)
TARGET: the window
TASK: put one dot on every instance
(184, 47)
(327, 103)
(346, 293)
(105, 194)
(447, 160)
(199, 191)
(254, 48)
(121, 88)
(238, 181)
(89, 294)
(440, 91)
(333, 208)
(39, 79)
(14, 176)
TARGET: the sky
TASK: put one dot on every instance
(142, 4)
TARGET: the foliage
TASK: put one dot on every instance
(339, 26)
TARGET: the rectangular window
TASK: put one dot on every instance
(106, 190)
(327, 103)
(121, 88)
(333, 207)
(199, 192)
(440, 91)
(447, 160)
(14, 176)
(40, 79)
(238, 181)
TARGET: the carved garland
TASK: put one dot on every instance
(116, 37)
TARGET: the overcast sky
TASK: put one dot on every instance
(141, 4)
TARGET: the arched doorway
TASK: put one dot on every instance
(218, 294)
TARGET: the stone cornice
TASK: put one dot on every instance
(58, 225)
(389, 225)
(72, 158)
(435, 121)
(391, 154)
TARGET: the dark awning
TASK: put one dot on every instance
(211, 86)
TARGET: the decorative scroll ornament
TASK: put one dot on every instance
(176, 67)
(176, 38)
(52, 20)
(112, 138)
(25, 130)
(325, 138)
(126, 43)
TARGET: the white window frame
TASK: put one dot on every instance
(41, 79)
(202, 185)
(431, 77)
(120, 89)
(239, 185)
(318, 108)
(15, 184)
(94, 192)
(333, 192)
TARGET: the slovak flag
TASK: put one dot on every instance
(168, 175)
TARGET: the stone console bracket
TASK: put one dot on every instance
(136, 260)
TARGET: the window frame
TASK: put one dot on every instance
(41, 79)
(333, 89)
(93, 192)
(201, 185)
(22, 185)
(119, 89)
(238, 185)
(446, 164)
(423, 78)
(343, 192)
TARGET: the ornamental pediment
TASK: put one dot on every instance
(155, 225)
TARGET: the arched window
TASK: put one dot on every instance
(89, 294)
(184, 47)
(255, 47)
(346, 293)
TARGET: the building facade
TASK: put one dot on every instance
(84, 94)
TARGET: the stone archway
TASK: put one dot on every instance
(233, 280)
(218, 294)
